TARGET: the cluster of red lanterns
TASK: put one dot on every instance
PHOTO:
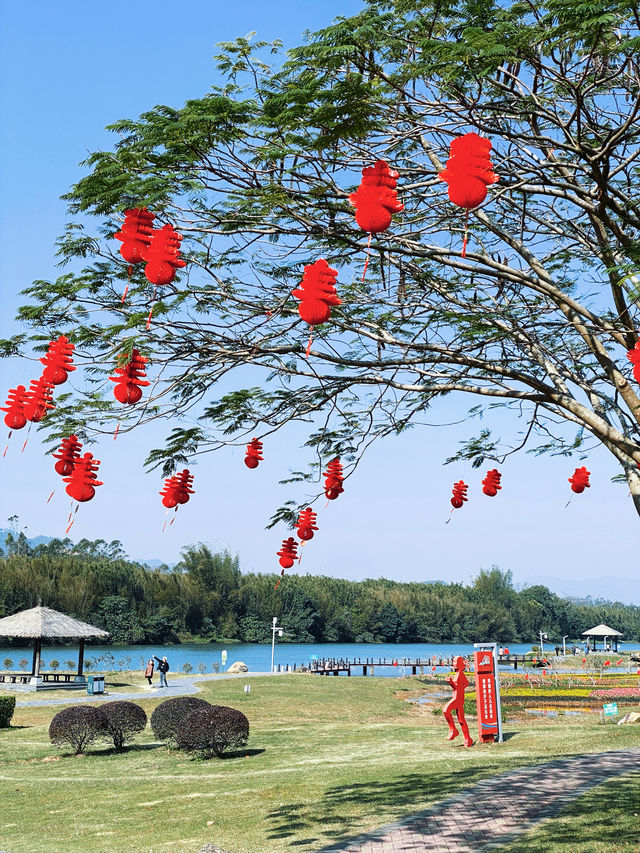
(491, 485)
(177, 489)
(160, 248)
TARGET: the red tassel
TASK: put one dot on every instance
(466, 235)
(51, 495)
(308, 349)
(115, 435)
(366, 263)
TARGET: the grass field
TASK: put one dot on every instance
(327, 758)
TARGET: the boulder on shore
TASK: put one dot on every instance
(631, 717)
(238, 666)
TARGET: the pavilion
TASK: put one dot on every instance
(606, 633)
(43, 622)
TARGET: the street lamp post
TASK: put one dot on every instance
(564, 645)
(543, 637)
(274, 631)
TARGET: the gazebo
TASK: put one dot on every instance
(43, 622)
(606, 633)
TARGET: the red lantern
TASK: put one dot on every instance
(177, 489)
(58, 362)
(634, 357)
(168, 493)
(334, 479)
(469, 170)
(135, 234)
(317, 293)
(376, 199)
(39, 397)
(459, 492)
(163, 255)
(306, 524)
(82, 481)
(491, 483)
(580, 480)
(17, 399)
(288, 553)
(130, 378)
(67, 455)
(253, 455)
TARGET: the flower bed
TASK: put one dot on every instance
(617, 693)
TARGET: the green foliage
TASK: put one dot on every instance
(7, 707)
(77, 726)
(211, 731)
(8, 663)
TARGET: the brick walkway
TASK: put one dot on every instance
(495, 811)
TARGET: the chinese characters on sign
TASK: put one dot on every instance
(487, 698)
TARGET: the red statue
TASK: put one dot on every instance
(459, 682)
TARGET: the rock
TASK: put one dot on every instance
(211, 848)
(238, 666)
(631, 717)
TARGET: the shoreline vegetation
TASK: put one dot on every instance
(206, 598)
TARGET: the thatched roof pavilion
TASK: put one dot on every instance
(605, 632)
(39, 622)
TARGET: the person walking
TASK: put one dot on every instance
(163, 669)
(148, 673)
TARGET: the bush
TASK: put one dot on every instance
(209, 731)
(55, 665)
(23, 663)
(186, 667)
(7, 707)
(8, 663)
(78, 726)
(70, 665)
(125, 720)
(215, 666)
(202, 668)
(165, 718)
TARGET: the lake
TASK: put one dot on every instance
(257, 656)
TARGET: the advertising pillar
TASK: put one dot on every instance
(485, 660)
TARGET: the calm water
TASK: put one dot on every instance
(256, 656)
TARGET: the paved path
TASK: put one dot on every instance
(495, 811)
(177, 687)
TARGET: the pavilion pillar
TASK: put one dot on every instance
(35, 668)
(80, 675)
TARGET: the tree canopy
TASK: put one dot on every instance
(256, 175)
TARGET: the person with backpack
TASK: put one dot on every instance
(163, 669)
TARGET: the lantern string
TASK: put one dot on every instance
(466, 234)
(450, 514)
(4, 452)
(51, 495)
(366, 263)
(155, 290)
(308, 349)
(74, 517)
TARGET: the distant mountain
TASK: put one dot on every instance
(37, 540)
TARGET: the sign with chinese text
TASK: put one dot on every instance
(487, 700)
(610, 709)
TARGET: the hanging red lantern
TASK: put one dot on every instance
(580, 480)
(39, 397)
(317, 293)
(58, 361)
(306, 524)
(169, 493)
(163, 255)
(183, 490)
(376, 198)
(634, 357)
(67, 455)
(288, 553)
(334, 479)
(17, 399)
(253, 455)
(82, 482)
(135, 234)
(491, 483)
(459, 492)
(129, 379)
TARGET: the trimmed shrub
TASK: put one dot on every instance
(23, 663)
(209, 731)
(8, 663)
(78, 726)
(125, 720)
(55, 665)
(7, 707)
(186, 667)
(165, 718)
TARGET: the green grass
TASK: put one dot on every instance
(327, 758)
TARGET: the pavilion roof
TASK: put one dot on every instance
(45, 622)
(600, 631)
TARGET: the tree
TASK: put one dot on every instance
(256, 175)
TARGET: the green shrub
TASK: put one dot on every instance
(125, 720)
(7, 707)
(210, 731)
(23, 663)
(165, 718)
(8, 663)
(55, 665)
(202, 668)
(70, 665)
(78, 726)
(186, 667)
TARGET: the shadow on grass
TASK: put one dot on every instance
(241, 753)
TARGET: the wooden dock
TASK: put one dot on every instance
(417, 666)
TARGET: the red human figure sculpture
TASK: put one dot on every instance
(459, 682)
(67, 455)
(17, 399)
(82, 481)
(253, 456)
(129, 379)
(135, 234)
(334, 479)
(58, 361)
(580, 480)
(317, 293)
(459, 494)
(288, 553)
(39, 397)
(491, 483)
(376, 198)
(634, 357)
(163, 255)
(306, 524)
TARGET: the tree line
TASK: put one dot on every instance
(206, 597)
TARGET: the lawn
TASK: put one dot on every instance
(327, 758)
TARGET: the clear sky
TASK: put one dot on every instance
(67, 70)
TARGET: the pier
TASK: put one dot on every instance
(418, 666)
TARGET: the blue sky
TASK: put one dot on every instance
(68, 70)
